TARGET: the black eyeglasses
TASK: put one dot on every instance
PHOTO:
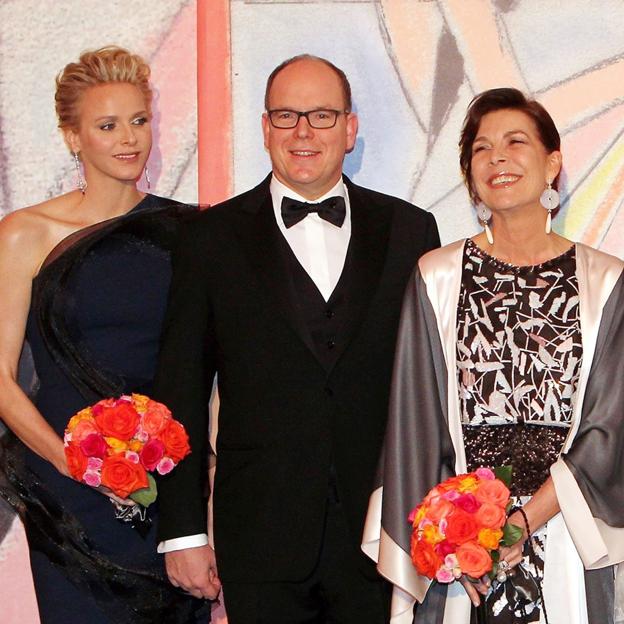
(321, 119)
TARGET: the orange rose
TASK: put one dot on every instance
(490, 538)
(473, 559)
(123, 476)
(155, 418)
(439, 509)
(425, 558)
(176, 441)
(83, 414)
(490, 516)
(461, 527)
(119, 420)
(82, 429)
(76, 461)
(494, 492)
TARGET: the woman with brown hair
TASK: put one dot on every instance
(84, 279)
(508, 349)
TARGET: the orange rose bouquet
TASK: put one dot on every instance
(117, 443)
(460, 525)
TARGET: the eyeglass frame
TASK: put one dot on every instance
(305, 114)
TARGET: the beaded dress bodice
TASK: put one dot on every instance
(518, 360)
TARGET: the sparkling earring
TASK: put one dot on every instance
(550, 200)
(82, 184)
(147, 178)
(485, 214)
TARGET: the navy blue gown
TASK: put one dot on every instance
(94, 328)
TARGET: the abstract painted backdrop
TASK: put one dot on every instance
(414, 66)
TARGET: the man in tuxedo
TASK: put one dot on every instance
(291, 294)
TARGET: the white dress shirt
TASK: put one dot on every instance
(321, 249)
(319, 246)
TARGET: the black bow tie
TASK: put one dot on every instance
(331, 209)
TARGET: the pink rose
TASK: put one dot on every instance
(92, 478)
(165, 466)
(94, 445)
(132, 456)
(485, 473)
(444, 549)
(467, 502)
(444, 575)
(152, 453)
(450, 561)
(451, 495)
(94, 463)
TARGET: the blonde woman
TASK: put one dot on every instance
(84, 278)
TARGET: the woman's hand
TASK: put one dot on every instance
(513, 554)
(473, 589)
(128, 502)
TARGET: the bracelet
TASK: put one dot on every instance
(526, 521)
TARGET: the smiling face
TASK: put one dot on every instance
(114, 136)
(510, 165)
(308, 160)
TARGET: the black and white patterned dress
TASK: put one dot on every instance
(518, 357)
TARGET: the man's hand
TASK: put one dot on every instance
(195, 571)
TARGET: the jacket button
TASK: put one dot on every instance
(329, 391)
(329, 314)
(331, 344)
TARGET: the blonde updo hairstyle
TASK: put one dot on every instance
(95, 67)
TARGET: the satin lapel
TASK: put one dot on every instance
(370, 230)
(266, 251)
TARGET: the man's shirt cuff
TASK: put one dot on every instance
(180, 543)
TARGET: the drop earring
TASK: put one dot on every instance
(550, 200)
(147, 178)
(485, 214)
(82, 184)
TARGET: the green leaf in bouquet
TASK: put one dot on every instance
(504, 474)
(146, 496)
(511, 534)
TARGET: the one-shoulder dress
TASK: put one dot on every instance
(94, 325)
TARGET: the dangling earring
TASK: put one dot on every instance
(82, 184)
(147, 178)
(550, 200)
(485, 214)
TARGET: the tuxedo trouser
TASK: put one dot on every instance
(343, 588)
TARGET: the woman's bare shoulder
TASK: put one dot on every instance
(30, 233)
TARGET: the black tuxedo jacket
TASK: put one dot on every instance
(284, 419)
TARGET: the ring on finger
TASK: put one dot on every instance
(503, 570)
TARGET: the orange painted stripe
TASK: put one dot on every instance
(214, 101)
